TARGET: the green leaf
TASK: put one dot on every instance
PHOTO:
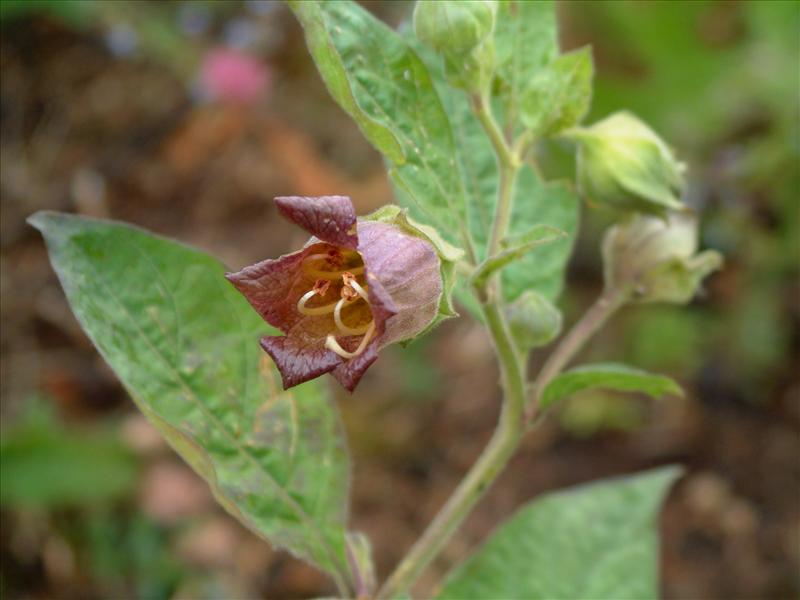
(185, 344)
(592, 541)
(559, 96)
(535, 202)
(378, 79)
(526, 41)
(515, 248)
(610, 376)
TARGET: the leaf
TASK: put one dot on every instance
(526, 40)
(377, 78)
(185, 344)
(559, 96)
(610, 376)
(535, 203)
(516, 248)
(591, 541)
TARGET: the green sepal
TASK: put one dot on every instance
(624, 165)
(454, 26)
(448, 255)
(677, 281)
(656, 258)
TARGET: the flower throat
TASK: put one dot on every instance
(343, 268)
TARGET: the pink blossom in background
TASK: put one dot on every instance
(233, 76)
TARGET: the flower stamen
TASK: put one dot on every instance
(337, 316)
(320, 288)
(333, 345)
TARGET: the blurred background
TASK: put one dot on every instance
(188, 117)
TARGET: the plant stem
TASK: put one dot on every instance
(508, 166)
(481, 108)
(510, 429)
(491, 462)
(594, 318)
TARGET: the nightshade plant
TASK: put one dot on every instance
(456, 103)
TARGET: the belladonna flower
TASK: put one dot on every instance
(355, 287)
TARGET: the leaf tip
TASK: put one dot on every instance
(41, 219)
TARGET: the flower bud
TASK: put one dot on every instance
(533, 320)
(624, 165)
(355, 287)
(461, 31)
(453, 26)
(656, 258)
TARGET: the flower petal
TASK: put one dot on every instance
(350, 372)
(299, 359)
(273, 286)
(332, 219)
(408, 271)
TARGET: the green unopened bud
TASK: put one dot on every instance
(452, 26)
(533, 320)
(461, 31)
(623, 164)
(656, 258)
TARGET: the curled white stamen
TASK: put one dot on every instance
(316, 310)
(337, 316)
(357, 287)
(332, 345)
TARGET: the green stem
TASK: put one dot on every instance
(508, 166)
(481, 108)
(598, 314)
(510, 428)
(491, 462)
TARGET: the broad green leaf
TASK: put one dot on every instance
(592, 541)
(558, 96)
(609, 376)
(185, 344)
(389, 85)
(515, 249)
